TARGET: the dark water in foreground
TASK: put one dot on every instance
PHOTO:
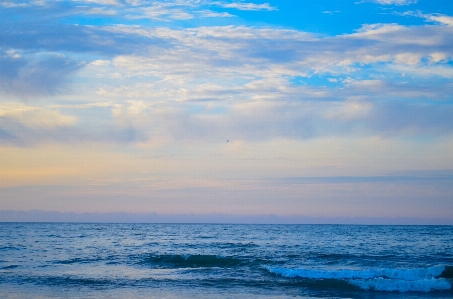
(55, 260)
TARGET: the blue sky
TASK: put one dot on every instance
(312, 108)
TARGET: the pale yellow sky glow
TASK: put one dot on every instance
(233, 177)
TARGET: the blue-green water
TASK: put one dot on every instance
(63, 260)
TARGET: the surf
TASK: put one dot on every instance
(380, 279)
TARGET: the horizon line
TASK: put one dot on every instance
(23, 216)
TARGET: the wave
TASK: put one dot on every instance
(8, 248)
(78, 260)
(383, 279)
(190, 261)
(448, 272)
(9, 267)
(383, 284)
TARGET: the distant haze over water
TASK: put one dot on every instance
(121, 217)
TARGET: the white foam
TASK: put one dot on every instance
(383, 279)
(404, 274)
(322, 274)
(390, 285)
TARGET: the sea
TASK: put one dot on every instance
(97, 260)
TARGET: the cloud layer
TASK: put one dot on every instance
(226, 89)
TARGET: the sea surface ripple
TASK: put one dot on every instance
(74, 260)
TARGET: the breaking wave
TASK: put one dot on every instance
(383, 279)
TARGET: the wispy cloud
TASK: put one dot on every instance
(25, 125)
(393, 2)
(164, 95)
(330, 12)
(35, 117)
(213, 14)
(162, 12)
(35, 75)
(101, 11)
(246, 6)
(104, 2)
(189, 66)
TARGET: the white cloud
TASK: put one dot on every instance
(257, 79)
(438, 57)
(446, 20)
(408, 58)
(424, 70)
(166, 99)
(13, 54)
(99, 63)
(35, 117)
(84, 106)
(437, 18)
(102, 2)
(135, 2)
(162, 12)
(246, 6)
(351, 109)
(394, 2)
(212, 14)
(101, 11)
(36, 74)
(232, 65)
(10, 4)
(394, 34)
(330, 12)
(390, 89)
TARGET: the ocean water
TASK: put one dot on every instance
(69, 260)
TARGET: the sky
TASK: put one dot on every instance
(322, 108)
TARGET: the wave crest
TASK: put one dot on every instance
(383, 284)
(384, 279)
